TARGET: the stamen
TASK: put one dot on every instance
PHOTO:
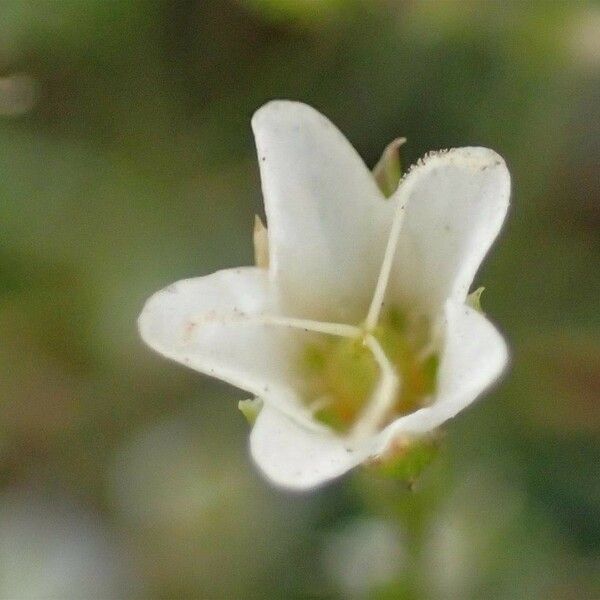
(384, 396)
(339, 329)
(386, 267)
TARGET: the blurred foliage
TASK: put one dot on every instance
(128, 162)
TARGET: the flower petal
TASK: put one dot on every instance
(474, 356)
(294, 457)
(326, 218)
(206, 324)
(456, 203)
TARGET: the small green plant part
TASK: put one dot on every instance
(388, 170)
(407, 458)
(474, 299)
(250, 408)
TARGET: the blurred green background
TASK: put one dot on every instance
(127, 162)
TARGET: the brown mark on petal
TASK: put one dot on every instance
(188, 330)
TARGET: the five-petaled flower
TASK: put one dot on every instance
(354, 329)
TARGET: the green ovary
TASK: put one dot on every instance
(343, 373)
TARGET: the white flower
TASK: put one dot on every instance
(357, 335)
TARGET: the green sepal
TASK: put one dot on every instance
(388, 171)
(261, 243)
(250, 408)
(474, 299)
(407, 460)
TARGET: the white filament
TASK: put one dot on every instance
(338, 329)
(386, 268)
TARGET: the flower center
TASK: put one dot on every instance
(343, 373)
